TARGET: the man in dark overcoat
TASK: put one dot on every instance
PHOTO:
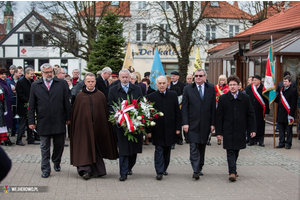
(287, 104)
(128, 150)
(102, 81)
(92, 138)
(235, 116)
(261, 108)
(167, 126)
(198, 118)
(50, 101)
(23, 91)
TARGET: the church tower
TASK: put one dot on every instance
(8, 17)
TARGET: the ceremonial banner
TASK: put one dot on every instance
(197, 64)
(128, 61)
(269, 85)
(156, 70)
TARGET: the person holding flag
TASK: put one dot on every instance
(261, 108)
(287, 104)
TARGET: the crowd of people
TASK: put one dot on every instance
(55, 104)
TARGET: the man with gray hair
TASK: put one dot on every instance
(128, 150)
(75, 79)
(23, 91)
(102, 81)
(50, 102)
(60, 73)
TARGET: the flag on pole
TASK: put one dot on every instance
(156, 70)
(269, 90)
(197, 64)
(128, 61)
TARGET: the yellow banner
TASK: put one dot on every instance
(128, 61)
(197, 64)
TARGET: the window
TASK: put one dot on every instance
(170, 67)
(64, 64)
(165, 5)
(210, 32)
(33, 39)
(27, 40)
(164, 34)
(28, 62)
(233, 30)
(115, 3)
(6, 63)
(141, 32)
(39, 40)
(214, 3)
(42, 61)
(142, 4)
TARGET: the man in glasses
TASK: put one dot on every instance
(198, 118)
(235, 116)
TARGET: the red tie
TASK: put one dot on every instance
(48, 85)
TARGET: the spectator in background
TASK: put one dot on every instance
(75, 79)
(22, 71)
(12, 69)
(115, 76)
(147, 75)
(102, 81)
(189, 79)
(55, 68)
(149, 90)
(99, 73)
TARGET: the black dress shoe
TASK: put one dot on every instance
(34, 142)
(208, 143)
(45, 174)
(180, 143)
(129, 172)
(200, 173)
(262, 145)
(37, 139)
(57, 168)
(279, 146)
(123, 177)
(196, 176)
(86, 176)
(159, 177)
(66, 145)
(20, 144)
(287, 147)
(165, 173)
(250, 144)
(173, 146)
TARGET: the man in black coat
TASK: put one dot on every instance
(128, 150)
(23, 91)
(260, 106)
(198, 118)
(50, 101)
(102, 81)
(235, 116)
(287, 104)
(164, 132)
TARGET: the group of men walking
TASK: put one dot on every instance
(93, 138)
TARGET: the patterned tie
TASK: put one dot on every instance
(125, 89)
(200, 91)
(48, 85)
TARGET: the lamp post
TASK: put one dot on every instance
(156, 42)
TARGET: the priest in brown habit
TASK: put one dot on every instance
(91, 138)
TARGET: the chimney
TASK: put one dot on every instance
(59, 19)
(236, 4)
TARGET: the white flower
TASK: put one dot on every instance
(151, 108)
(152, 123)
(161, 114)
(139, 118)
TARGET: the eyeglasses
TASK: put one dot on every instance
(199, 75)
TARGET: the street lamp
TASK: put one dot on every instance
(156, 42)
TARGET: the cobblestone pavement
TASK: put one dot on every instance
(265, 173)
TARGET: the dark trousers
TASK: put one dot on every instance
(58, 148)
(22, 125)
(232, 156)
(289, 134)
(197, 154)
(179, 136)
(162, 158)
(126, 163)
(15, 122)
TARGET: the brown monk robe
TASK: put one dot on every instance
(91, 138)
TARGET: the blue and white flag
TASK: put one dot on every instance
(156, 71)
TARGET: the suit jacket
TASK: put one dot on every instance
(116, 93)
(181, 85)
(23, 91)
(52, 106)
(291, 97)
(101, 86)
(164, 132)
(197, 113)
(234, 118)
(258, 109)
(176, 89)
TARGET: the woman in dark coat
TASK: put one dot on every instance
(8, 121)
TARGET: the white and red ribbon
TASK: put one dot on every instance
(123, 115)
(259, 99)
(286, 105)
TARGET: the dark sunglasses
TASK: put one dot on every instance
(199, 75)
